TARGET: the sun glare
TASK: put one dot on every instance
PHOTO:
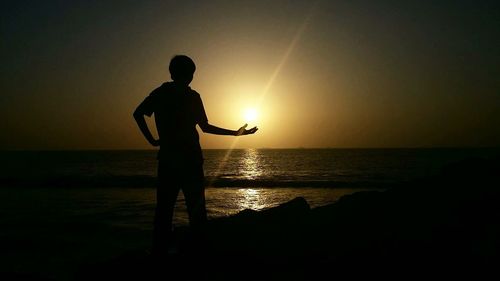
(250, 114)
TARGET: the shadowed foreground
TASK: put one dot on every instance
(446, 225)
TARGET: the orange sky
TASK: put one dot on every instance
(338, 74)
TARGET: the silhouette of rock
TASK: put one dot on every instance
(449, 224)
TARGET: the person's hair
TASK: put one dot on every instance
(181, 65)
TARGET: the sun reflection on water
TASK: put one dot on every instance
(250, 198)
(250, 167)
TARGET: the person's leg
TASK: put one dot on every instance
(194, 193)
(166, 196)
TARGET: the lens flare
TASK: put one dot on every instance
(248, 113)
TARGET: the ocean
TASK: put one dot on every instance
(231, 174)
(331, 168)
(236, 179)
(81, 205)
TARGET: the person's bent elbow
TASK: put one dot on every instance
(137, 114)
(204, 127)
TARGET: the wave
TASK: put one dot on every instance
(151, 182)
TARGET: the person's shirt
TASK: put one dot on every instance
(177, 111)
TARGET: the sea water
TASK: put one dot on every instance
(124, 181)
(330, 168)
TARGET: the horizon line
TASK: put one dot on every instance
(263, 148)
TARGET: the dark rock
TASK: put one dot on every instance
(449, 224)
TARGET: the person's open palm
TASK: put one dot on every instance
(243, 131)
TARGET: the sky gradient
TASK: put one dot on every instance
(320, 74)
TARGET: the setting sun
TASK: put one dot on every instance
(250, 114)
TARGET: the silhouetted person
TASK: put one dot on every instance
(177, 110)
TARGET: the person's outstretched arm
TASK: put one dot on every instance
(211, 129)
(143, 126)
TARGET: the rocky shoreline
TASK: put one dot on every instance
(449, 224)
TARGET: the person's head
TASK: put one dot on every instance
(182, 69)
